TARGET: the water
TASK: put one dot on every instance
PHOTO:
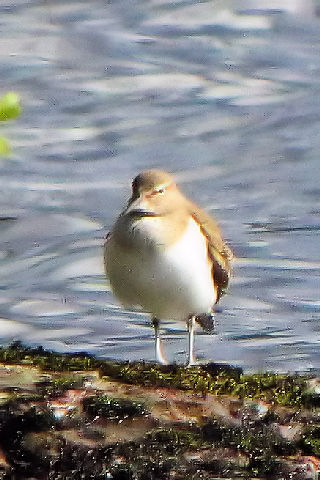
(223, 94)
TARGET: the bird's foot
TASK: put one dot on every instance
(206, 322)
(192, 362)
(160, 356)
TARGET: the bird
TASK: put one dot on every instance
(166, 255)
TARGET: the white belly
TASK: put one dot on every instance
(171, 283)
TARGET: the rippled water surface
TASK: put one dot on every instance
(221, 93)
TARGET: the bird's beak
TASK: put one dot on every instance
(140, 207)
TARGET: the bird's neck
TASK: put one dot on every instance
(151, 232)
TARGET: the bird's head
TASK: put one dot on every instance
(154, 193)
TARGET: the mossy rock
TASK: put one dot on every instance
(289, 390)
(310, 440)
(113, 408)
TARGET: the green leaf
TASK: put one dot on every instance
(5, 148)
(9, 106)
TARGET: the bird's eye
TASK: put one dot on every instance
(158, 191)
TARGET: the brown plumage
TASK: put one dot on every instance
(218, 251)
(166, 254)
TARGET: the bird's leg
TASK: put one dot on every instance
(191, 323)
(158, 346)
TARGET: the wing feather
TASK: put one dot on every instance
(218, 251)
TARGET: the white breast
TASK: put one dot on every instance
(170, 283)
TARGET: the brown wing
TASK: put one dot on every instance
(219, 252)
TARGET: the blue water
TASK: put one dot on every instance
(223, 94)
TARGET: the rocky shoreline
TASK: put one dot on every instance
(79, 417)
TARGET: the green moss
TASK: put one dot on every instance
(174, 438)
(310, 399)
(159, 455)
(26, 398)
(290, 390)
(107, 407)
(164, 448)
(261, 445)
(310, 440)
(122, 472)
(20, 420)
(57, 386)
(277, 389)
(16, 353)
